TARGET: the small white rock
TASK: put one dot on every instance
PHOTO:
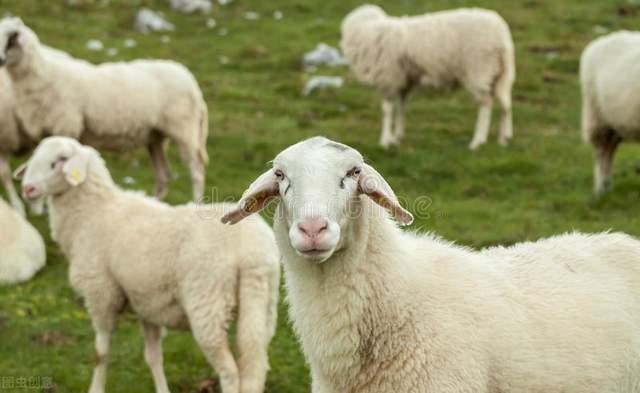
(278, 15)
(129, 43)
(224, 2)
(165, 39)
(128, 180)
(223, 60)
(95, 45)
(598, 29)
(211, 23)
(223, 32)
(322, 82)
(250, 15)
(112, 52)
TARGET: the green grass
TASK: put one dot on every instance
(538, 186)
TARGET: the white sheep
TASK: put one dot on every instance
(608, 67)
(175, 267)
(115, 106)
(22, 252)
(470, 47)
(379, 310)
(12, 140)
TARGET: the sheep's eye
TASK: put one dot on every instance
(53, 164)
(13, 38)
(353, 172)
(279, 174)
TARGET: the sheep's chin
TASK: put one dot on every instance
(316, 256)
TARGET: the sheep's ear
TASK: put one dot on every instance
(75, 168)
(373, 185)
(18, 174)
(260, 193)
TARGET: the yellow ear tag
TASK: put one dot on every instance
(75, 175)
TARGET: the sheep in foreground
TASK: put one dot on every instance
(379, 310)
(117, 106)
(22, 252)
(608, 67)
(175, 267)
(471, 47)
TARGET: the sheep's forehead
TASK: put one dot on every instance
(317, 155)
(53, 147)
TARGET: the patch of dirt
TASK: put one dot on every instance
(628, 10)
(53, 338)
(209, 386)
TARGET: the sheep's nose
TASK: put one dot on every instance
(312, 227)
(28, 190)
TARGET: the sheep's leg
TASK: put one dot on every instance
(482, 123)
(103, 345)
(386, 138)
(209, 322)
(160, 166)
(7, 183)
(604, 150)
(253, 333)
(506, 122)
(400, 123)
(153, 356)
(197, 179)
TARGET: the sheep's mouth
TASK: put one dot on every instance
(316, 254)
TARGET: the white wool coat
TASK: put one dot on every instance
(608, 67)
(468, 46)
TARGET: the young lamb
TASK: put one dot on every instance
(22, 252)
(115, 106)
(472, 47)
(379, 310)
(608, 67)
(175, 267)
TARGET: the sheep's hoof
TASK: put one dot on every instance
(474, 146)
(385, 144)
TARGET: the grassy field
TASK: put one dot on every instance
(252, 79)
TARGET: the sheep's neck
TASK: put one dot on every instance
(31, 67)
(69, 211)
(342, 302)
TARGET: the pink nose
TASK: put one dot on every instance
(28, 191)
(312, 227)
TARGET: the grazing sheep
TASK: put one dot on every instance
(472, 47)
(22, 252)
(608, 67)
(175, 267)
(379, 310)
(115, 106)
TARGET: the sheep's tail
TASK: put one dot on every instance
(256, 323)
(203, 156)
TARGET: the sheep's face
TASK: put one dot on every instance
(12, 40)
(57, 164)
(319, 182)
